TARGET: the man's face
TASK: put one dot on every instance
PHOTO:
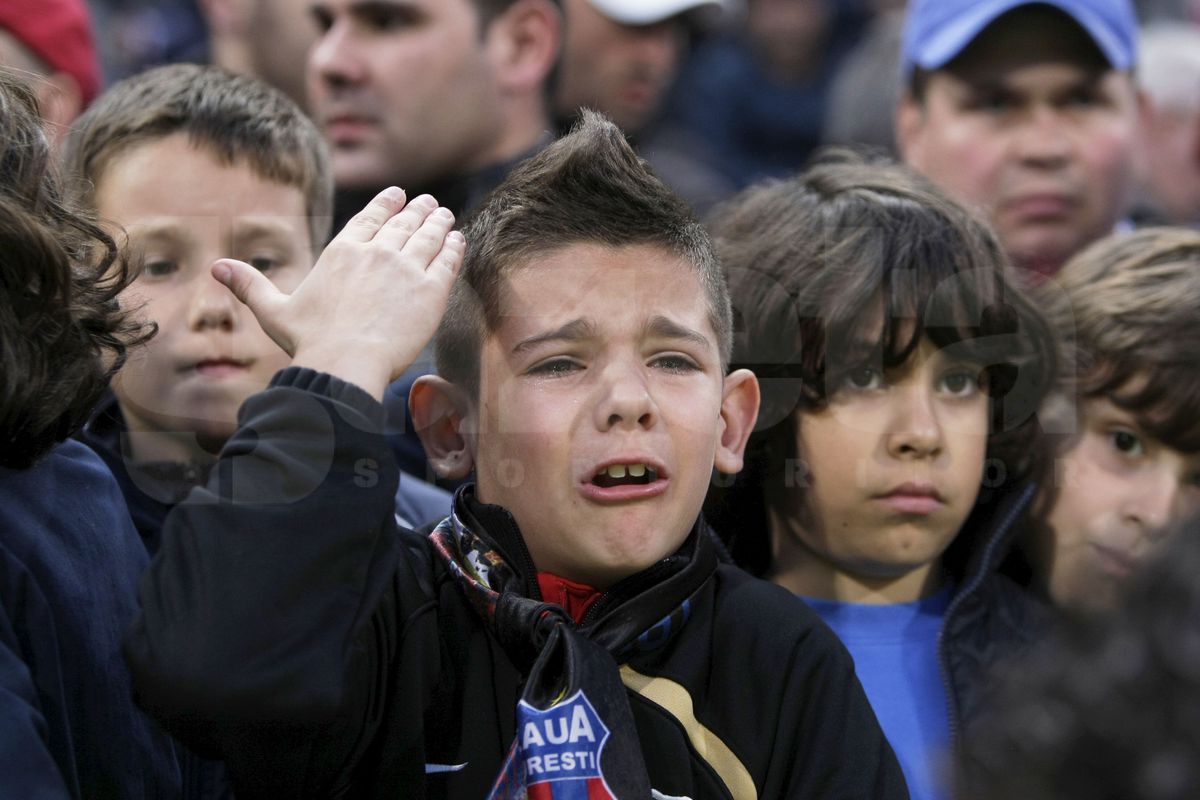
(403, 90)
(600, 410)
(620, 70)
(293, 32)
(1117, 490)
(1031, 127)
(893, 467)
(183, 209)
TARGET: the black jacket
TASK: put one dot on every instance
(991, 618)
(292, 630)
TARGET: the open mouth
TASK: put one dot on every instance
(625, 475)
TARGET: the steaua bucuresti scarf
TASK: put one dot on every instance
(576, 738)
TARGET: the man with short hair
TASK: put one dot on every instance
(1028, 112)
(438, 96)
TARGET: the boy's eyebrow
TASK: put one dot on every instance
(576, 330)
(665, 328)
(248, 227)
(152, 228)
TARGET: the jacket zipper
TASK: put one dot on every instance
(1006, 522)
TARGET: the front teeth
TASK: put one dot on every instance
(620, 470)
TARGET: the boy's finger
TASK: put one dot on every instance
(396, 232)
(364, 225)
(428, 239)
(252, 288)
(446, 265)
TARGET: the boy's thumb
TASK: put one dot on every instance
(247, 284)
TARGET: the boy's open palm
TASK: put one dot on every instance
(374, 298)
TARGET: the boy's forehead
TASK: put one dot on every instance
(590, 280)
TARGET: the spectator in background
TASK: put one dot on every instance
(757, 99)
(620, 57)
(437, 96)
(1169, 73)
(50, 42)
(862, 96)
(268, 39)
(1027, 111)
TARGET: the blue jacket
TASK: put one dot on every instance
(69, 565)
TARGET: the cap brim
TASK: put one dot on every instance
(648, 12)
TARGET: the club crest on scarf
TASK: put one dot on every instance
(556, 755)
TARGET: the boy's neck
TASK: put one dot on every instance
(181, 447)
(805, 572)
(823, 582)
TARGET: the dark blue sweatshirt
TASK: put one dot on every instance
(69, 565)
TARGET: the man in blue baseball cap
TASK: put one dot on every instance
(1028, 112)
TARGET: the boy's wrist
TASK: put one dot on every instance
(351, 365)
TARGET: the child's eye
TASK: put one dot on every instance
(1125, 442)
(556, 367)
(159, 267)
(961, 383)
(263, 263)
(675, 362)
(863, 379)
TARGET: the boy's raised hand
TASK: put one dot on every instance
(374, 298)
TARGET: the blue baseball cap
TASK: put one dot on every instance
(935, 31)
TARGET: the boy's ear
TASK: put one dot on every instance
(525, 41)
(439, 409)
(910, 123)
(739, 410)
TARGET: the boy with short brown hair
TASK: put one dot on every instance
(1128, 311)
(191, 164)
(568, 627)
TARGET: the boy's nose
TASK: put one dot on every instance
(212, 306)
(625, 401)
(1153, 501)
(915, 431)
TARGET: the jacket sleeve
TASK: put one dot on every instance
(27, 767)
(269, 617)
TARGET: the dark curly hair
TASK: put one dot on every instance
(62, 333)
